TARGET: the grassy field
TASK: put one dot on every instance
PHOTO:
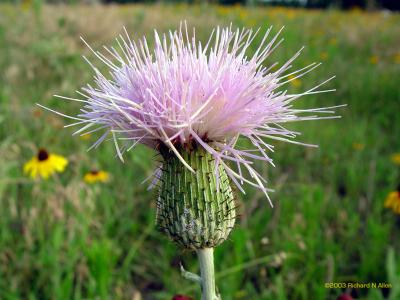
(65, 239)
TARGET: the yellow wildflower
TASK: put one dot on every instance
(318, 32)
(223, 11)
(26, 4)
(358, 146)
(242, 14)
(333, 41)
(45, 164)
(356, 9)
(396, 58)
(396, 158)
(85, 136)
(291, 14)
(374, 59)
(393, 202)
(96, 176)
(323, 55)
(296, 82)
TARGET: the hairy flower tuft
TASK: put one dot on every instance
(184, 94)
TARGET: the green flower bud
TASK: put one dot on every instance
(190, 209)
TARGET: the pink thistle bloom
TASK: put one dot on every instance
(184, 92)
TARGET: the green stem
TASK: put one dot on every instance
(206, 260)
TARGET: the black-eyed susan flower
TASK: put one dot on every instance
(45, 164)
(96, 176)
(192, 102)
(393, 202)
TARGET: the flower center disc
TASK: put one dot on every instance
(42, 155)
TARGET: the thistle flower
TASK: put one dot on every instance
(182, 95)
(192, 102)
(96, 176)
(45, 164)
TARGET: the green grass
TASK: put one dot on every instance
(64, 239)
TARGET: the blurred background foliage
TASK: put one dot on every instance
(63, 238)
(342, 4)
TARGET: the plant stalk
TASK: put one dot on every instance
(206, 260)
